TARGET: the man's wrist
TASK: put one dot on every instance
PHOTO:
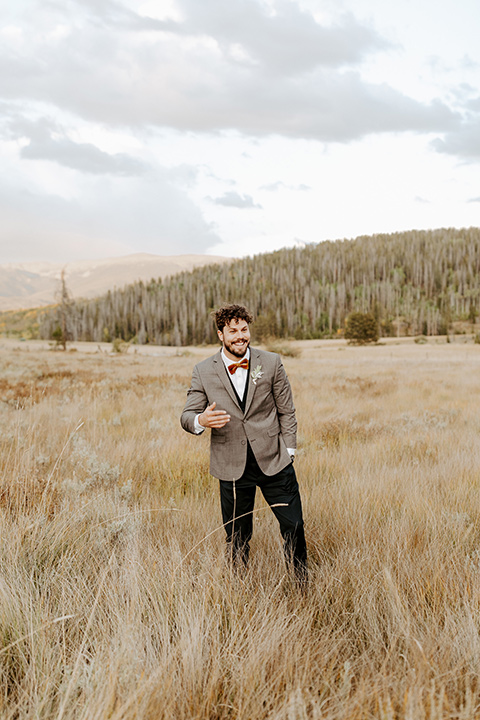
(197, 426)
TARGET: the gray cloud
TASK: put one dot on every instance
(234, 199)
(108, 218)
(276, 186)
(83, 156)
(474, 200)
(463, 143)
(184, 175)
(49, 141)
(421, 200)
(468, 63)
(474, 105)
(287, 42)
(226, 66)
(107, 13)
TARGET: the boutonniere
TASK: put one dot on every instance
(256, 374)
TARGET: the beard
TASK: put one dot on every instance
(236, 350)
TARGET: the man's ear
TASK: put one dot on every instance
(220, 336)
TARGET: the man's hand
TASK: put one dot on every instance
(211, 418)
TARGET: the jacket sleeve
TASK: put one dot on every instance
(282, 393)
(196, 403)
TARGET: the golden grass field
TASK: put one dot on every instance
(116, 602)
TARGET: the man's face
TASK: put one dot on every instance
(235, 338)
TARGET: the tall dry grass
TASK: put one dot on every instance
(115, 601)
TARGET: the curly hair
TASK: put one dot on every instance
(225, 314)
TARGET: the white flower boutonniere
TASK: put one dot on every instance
(256, 374)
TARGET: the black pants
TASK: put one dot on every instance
(238, 499)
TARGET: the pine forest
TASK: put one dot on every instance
(414, 283)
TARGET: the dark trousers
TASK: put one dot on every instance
(238, 499)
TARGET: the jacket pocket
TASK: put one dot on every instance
(217, 438)
(273, 430)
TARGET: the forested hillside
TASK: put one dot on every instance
(416, 282)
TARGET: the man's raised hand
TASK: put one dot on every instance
(212, 418)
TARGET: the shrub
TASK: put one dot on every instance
(120, 346)
(282, 348)
(361, 328)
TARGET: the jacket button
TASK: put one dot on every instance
(244, 442)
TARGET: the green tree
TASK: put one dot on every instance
(361, 328)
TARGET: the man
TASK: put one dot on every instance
(243, 395)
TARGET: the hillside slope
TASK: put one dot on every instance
(29, 285)
(416, 282)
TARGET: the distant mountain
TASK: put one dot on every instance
(28, 285)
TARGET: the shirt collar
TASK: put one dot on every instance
(228, 362)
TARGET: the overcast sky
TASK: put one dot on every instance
(233, 127)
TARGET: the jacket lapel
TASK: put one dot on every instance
(254, 361)
(221, 371)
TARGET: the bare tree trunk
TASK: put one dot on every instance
(65, 310)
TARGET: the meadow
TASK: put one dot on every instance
(115, 598)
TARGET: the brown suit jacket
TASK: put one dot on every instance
(268, 423)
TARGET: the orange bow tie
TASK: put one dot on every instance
(234, 366)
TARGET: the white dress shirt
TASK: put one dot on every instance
(239, 377)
